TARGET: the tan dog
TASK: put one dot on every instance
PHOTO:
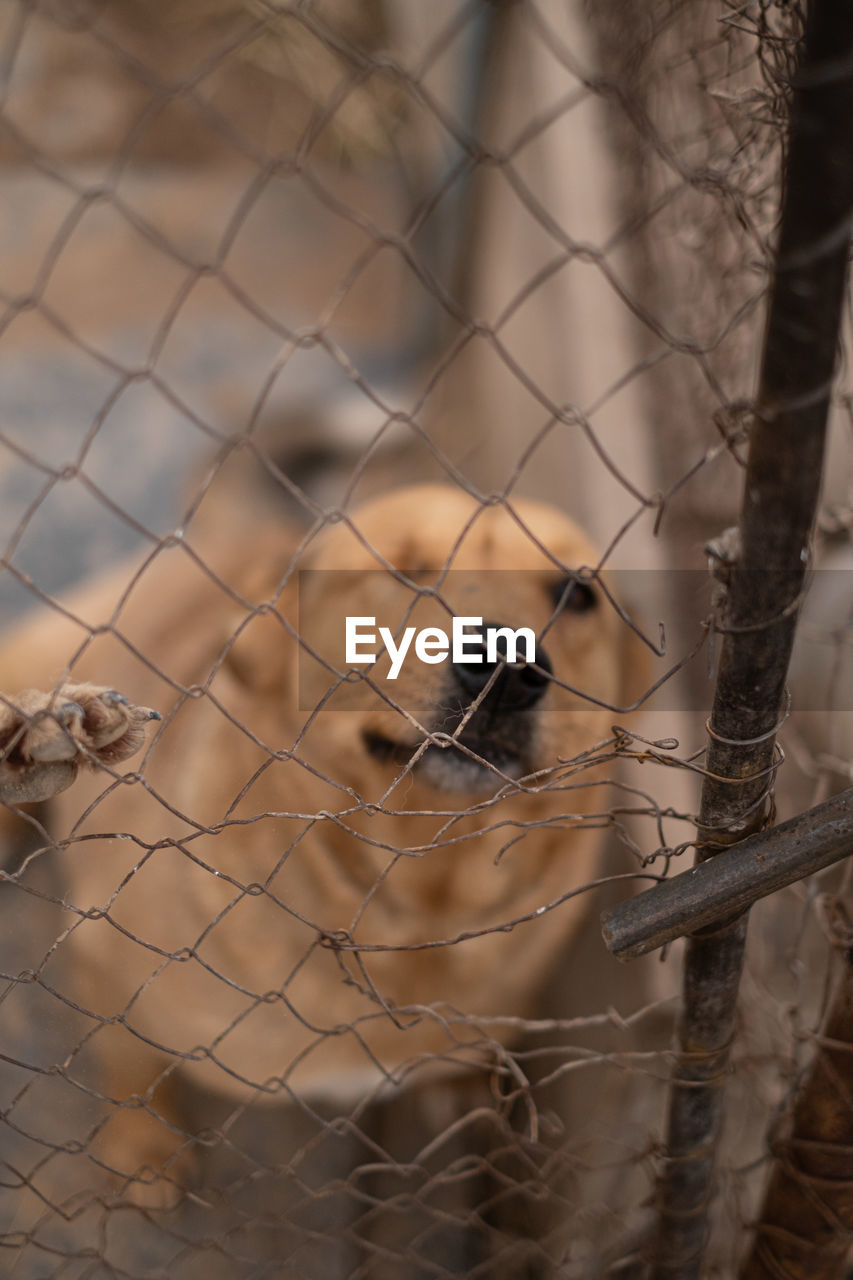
(314, 900)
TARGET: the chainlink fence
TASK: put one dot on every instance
(263, 262)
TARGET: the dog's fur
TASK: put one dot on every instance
(298, 907)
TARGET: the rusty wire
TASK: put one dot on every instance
(230, 211)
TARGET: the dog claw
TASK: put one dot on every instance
(114, 698)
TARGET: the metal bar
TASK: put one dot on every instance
(779, 504)
(729, 883)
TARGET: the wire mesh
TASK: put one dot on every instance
(281, 996)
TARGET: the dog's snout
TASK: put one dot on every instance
(515, 686)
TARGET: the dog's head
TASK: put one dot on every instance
(414, 564)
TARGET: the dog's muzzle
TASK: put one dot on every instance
(506, 687)
(495, 703)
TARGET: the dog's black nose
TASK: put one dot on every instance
(515, 687)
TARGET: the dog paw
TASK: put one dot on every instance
(44, 737)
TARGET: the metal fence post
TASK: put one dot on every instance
(764, 586)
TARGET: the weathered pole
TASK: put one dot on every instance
(763, 592)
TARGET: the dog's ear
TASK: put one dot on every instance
(260, 647)
(260, 639)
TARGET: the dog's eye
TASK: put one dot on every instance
(571, 595)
